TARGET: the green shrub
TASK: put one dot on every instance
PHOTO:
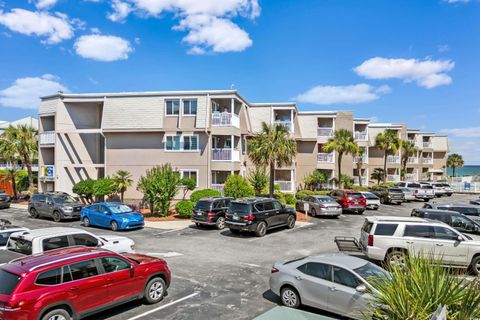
(184, 208)
(304, 193)
(84, 189)
(237, 187)
(258, 179)
(104, 187)
(187, 184)
(280, 196)
(204, 193)
(290, 199)
(358, 188)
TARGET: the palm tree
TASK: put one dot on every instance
(123, 181)
(272, 146)
(343, 143)
(377, 174)
(455, 160)
(389, 143)
(358, 154)
(8, 152)
(408, 149)
(24, 139)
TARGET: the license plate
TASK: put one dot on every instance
(236, 218)
(199, 213)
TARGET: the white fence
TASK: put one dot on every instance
(473, 187)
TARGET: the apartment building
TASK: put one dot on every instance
(202, 134)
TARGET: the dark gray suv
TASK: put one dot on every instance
(58, 206)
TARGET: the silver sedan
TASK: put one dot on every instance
(319, 206)
(333, 282)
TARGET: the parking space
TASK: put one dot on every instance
(219, 275)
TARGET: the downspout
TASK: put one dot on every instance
(209, 144)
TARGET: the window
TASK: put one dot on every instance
(259, 207)
(180, 143)
(50, 277)
(84, 269)
(367, 227)
(85, 240)
(420, 231)
(445, 233)
(20, 245)
(192, 174)
(218, 204)
(385, 229)
(345, 277)
(4, 237)
(113, 264)
(67, 276)
(173, 143)
(55, 243)
(9, 282)
(317, 270)
(39, 198)
(190, 142)
(94, 207)
(190, 107)
(173, 107)
(277, 205)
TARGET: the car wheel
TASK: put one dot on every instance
(313, 212)
(475, 266)
(261, 229)
(198, 224)
(290, 297)
(155, 290)
(297, 207)
(234, 231)
(291, 222)
(86, 222)
(57, 217)
(57, 314)
(114, 225)
(395, 258)
(426, 200)
(220, 224)
(33, 213)
(382, 200)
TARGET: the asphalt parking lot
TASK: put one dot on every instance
(219, 275)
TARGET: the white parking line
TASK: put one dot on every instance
(164, 306)
(168, 254)
(251, 265)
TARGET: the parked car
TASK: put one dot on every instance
(319, 206)
(40, 240)
(58, 206)
(438, 189)
(421, 191)
(5, 233)
(408, 194)
(388, 194)
(391, 239)
(5, 200)
(469, 210)
(211, 211)
(113, 215)
(475, 201)
(373, 202)
(448, 189)
(257, 215)
(454, 219)
(333, 282)
(350, 200)
(75, 282)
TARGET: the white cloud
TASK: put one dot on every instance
(102, 47)
(208, 23)
(457, 1)
(55, 28)
(443, 48)
(469, 132)
(45, 4)
(352, 94)
(426, 73)
(25, 92)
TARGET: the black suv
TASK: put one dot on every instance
(258, 215)
(58, 206)
(454, 219)
(211, 211)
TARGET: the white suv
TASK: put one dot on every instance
(389, 239)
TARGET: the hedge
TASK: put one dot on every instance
(304, 193)
(184, 208)
(204, 193)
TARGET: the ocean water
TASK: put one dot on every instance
(465, 171)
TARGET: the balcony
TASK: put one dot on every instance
(285, 186)
(356, 181)
(225, 119)
(361, 135)
(410, 177)
(412, 160)
(47, 173)
(393, 178)
(393, 159)
(47, 138)
(363, 159)
(325, 157)
(412, 141)
(427, 144)
(324, 132)
(286, 124)
(427, 160)
(225, 155)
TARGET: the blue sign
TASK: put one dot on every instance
(49, 171)
(466, 186)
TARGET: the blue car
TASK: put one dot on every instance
(113, 215)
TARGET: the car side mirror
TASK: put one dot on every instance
(361, 288)
(107, 213)
(459, 238)
(132, 270)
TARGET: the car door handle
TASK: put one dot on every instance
(410, 242)
(439, 245)
(298, 277)
(73, 288)
(333, 289)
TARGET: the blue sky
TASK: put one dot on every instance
(390, 60)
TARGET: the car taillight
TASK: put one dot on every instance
(274, 270)
(339, 207)
(211, 214)
(370, 240)
(248, 218)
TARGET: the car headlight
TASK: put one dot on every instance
(124, 220)
(67, 209)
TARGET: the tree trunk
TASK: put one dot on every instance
(385, 166)
(272, 179)
(14, 184)
(360, 172)
(453, 171)
(152, 207)
(340, 155)
(404, 169)
(28, 164)
(121, 195)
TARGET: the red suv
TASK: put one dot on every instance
(65, 284)
(350, 200)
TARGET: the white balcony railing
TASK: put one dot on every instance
(325, 157)
(218, 187)
(428, 160)
(286, 124)
(363, 159)
(393, 159)
(427, 144)
(225, 155)
(356, 181)
(324, 132)
(413, 141)
(47, 138)
(412, 160)
(285, 186)
(393, 178)
(410, 177)
(225, 119)
(361, 135)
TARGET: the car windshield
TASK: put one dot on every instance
(20, 245)
(203, 205)
(404, 189)
(325, 200)
(120, 208)
(63, 199)
(395, 190)
(369, 270)
(427, 187)
(9, 282)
